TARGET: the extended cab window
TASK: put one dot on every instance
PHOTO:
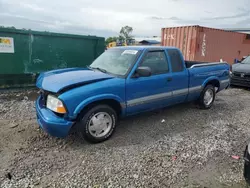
(176, 61)
(156, 61)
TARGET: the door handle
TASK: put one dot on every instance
(169, 79)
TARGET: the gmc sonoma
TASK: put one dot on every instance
(123, 81)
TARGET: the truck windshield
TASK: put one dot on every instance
(246, 61)
(115, 61)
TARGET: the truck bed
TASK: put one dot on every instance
(200, 73)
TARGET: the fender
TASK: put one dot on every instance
(95, 98)
(210, 79)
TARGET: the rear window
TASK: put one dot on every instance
(176, 60)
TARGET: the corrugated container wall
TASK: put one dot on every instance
(207, 44)
(24, 54)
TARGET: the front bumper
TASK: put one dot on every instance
(238, 81)
(50, 122)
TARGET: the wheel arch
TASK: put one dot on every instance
(212, 81)
(110, 100)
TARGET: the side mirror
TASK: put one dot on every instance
(143, 72)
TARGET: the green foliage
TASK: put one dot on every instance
(126, 32)
(111, 39)
(125, 35)
(12, 27)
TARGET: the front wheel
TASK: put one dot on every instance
(97, 124)
(207, 97)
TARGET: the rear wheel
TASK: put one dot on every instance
(97, 124)
(207, 97)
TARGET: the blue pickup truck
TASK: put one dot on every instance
(123, 81)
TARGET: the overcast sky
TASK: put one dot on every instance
(106, 17)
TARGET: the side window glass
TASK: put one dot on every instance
(176, 61)
(156, 61)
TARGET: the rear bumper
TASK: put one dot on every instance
(224, 84)
(237, 81)
(51, 123)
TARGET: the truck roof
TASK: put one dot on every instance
(144, 47)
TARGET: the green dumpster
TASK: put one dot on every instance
(25, 53)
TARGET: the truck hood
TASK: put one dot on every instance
(241, 67)
(64, 79)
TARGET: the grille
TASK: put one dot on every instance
(44, 94)
(240, 81)
(241, 75)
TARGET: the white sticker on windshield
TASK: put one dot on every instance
(130, 52)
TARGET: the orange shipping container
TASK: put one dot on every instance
(207, 44)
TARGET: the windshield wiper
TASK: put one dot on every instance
(97, 68)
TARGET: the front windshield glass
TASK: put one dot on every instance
(115, 61)
(246, 61)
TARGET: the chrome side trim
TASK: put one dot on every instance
(148, 99)
(180, 92)
(151, 98)
(195, 89)
(207, 64)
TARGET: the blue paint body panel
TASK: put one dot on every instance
(55, 81)
(78, 88)
(50, 122)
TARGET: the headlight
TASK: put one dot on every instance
(55, 105)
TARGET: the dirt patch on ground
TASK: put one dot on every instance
(192, 148)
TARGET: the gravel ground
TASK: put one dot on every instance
(192, 148)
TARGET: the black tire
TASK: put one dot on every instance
(84, 119)
(201, 101)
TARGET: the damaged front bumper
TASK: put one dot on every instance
(50, 122)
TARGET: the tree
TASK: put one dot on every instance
(121, 38)
(11, 27)
(126, 32)
(111, 39)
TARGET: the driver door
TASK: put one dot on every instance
(148, 93)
